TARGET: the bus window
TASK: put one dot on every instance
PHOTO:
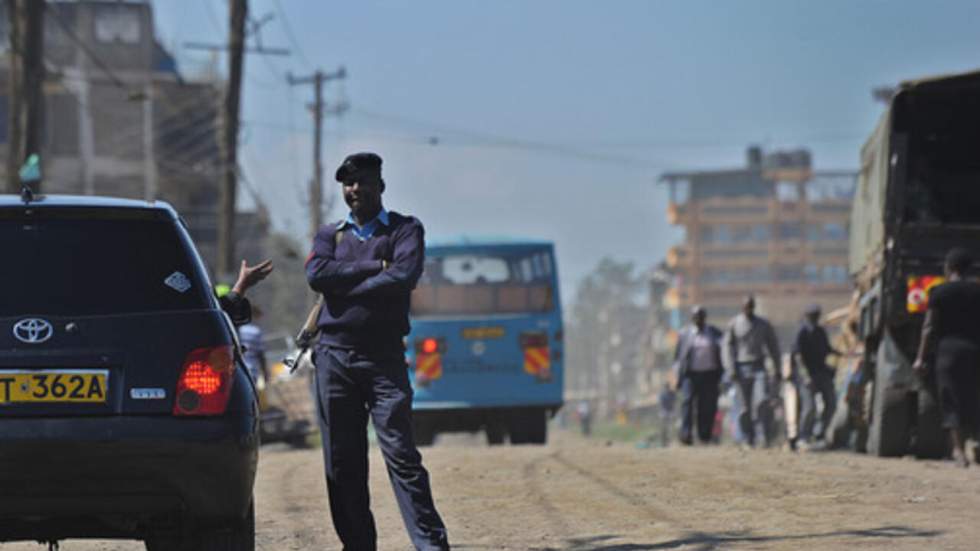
(456, 284)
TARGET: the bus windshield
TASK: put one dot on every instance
(472, 282)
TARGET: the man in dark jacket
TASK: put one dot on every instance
(366, 267)
(699, 370)
(811, 346)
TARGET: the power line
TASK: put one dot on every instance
(291, 36)
(88, 52)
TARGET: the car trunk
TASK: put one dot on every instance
(100, 309)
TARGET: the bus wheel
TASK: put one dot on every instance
(529, 427)
(537, 425)
(424, 433)
(496, 433)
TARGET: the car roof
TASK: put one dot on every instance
(485, 241)
(84, 201)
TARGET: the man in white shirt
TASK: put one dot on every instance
(699, 370)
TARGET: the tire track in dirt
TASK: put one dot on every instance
(289, 505)
(532, 476)
(611, 489)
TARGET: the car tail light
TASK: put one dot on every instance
(205, 382)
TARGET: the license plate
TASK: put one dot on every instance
(483, 332)
(53, 385)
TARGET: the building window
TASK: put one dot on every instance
(789, 273)
(787, 192)
(834, 274)
(830, 231)
(118, 24)
(788, 230)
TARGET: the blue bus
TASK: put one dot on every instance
(485, 350)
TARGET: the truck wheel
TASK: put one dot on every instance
(930, 438)
(888, 435)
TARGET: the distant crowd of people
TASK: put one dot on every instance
(709, 362)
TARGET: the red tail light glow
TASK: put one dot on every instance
(430, 346)
(205, 382)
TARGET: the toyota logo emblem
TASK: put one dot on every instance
(33, 330)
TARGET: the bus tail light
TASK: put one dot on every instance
(537, 355)
(428, 359)
(205, 382)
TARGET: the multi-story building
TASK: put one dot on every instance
(774, 228)
(121, 120)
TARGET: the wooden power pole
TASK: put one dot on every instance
(26, 85)
(33, 74)
(14, 152)
(238, 12)
(318, 110)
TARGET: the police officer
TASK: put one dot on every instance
(366, 267)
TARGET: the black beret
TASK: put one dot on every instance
(357, 162)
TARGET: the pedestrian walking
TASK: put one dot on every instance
(252, 339)
(949, 351)
(366, 267)
(699, 369)
(748, 340)
(584, 413)
(810, 349)
(666, 402)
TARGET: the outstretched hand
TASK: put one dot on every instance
(249, 276)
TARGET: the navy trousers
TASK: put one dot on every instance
(350, 387)
(821, 384)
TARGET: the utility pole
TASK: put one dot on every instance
(14, 152)
(238, 21)
(32, 26)
(26, 85)
(317, 79)
(238, 11)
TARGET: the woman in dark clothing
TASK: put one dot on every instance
(951, 332)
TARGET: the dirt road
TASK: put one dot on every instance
(584, 495)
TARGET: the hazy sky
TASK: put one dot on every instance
(555, 118)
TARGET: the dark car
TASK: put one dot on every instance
(125, 408)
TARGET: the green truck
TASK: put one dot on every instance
(918, 196)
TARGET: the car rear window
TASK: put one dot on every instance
(78, 263)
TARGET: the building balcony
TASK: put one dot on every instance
(678, 256)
